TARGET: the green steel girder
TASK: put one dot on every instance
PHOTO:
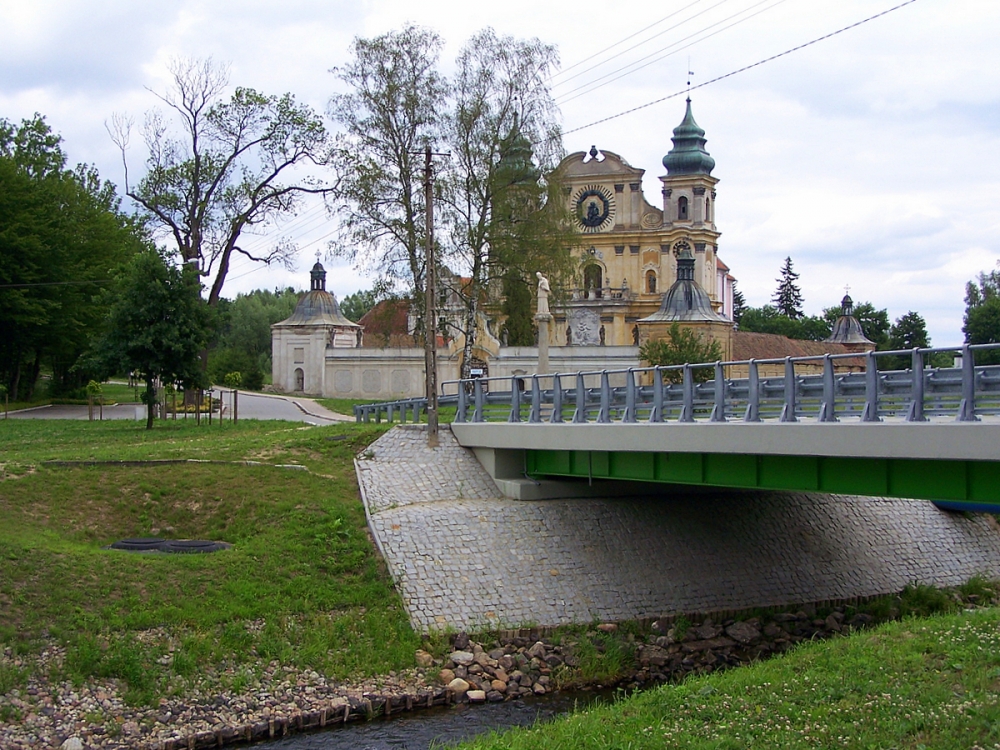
(972, 483)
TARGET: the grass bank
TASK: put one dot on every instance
(917, 683)
(302, 584)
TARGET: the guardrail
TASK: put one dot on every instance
(702, 392)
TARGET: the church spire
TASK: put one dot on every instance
(688, 156)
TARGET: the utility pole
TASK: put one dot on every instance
(430, 292)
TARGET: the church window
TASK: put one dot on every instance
(682, 208)
(651, 282)
(708, 209)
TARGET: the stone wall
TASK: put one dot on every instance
(463, 557)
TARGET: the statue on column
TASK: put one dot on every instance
(543, 294)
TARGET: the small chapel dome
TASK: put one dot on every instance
(847, 329)
(318, 306)
(688, 156)
(685, 300)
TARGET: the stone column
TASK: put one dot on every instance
(542, 320)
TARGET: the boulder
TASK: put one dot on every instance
(445, 676)
(459, 687)
(424, 659)
(743, 632)
(476, 696)
(462, 658)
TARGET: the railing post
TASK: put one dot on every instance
(390, 413)
(656, 414)
(535, 414)
(752, 413)
(477, 398)
(515, 400)
(687, 393)
(557, 400)
(580, 414)
(604, 415)
(719, 408)
(788, 410)
(916, 410)
(463, 401)
(870, 414)
(629, 415)
(967, 409)
(828, 411)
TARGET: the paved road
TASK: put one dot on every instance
(249, 406)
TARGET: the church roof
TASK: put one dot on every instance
(318, 307)
(847, 329)
(685, 300)
(688, 156)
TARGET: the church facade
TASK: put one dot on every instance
(629, 247)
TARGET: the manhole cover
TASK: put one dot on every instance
(156, 544)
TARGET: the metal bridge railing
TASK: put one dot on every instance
(703, 392)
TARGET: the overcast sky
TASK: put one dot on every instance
(871, 158)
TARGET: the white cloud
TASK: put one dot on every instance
(871, 158)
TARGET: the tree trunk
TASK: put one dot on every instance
(150, 402)
(36, 368)
(15, 376)
(470, 334)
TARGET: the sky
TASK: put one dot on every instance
(871, 158)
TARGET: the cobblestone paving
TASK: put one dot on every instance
(465, 558)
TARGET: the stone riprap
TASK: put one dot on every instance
(463, 557)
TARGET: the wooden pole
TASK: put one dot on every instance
(430, 291)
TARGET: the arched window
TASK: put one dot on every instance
(682, 208)
(300, 379)
(651, 282)
(708, 209)
(592, 279)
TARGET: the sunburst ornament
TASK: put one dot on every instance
(595, 208)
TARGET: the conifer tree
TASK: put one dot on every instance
(788, 298)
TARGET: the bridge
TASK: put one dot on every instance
(833, 423)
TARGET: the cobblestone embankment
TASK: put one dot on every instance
(465, 558)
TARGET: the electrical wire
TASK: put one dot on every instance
(739, 70)
(634, 46)
(567, 98)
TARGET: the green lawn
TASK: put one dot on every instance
(917, 683)
(302, 584)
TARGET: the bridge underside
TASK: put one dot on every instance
(963, 485)
(954, 465)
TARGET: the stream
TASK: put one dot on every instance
(440, 727)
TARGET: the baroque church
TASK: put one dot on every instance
(631, 249)
(643, 268)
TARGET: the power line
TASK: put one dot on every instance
(55, 283)
(634, 46)
(566, 97)
(740, 70)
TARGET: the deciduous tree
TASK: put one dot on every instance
(226, 168)
(61, 233)
(982, 314)
(393, 108)
(157, 326)
(503, 217)
(682, 346)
